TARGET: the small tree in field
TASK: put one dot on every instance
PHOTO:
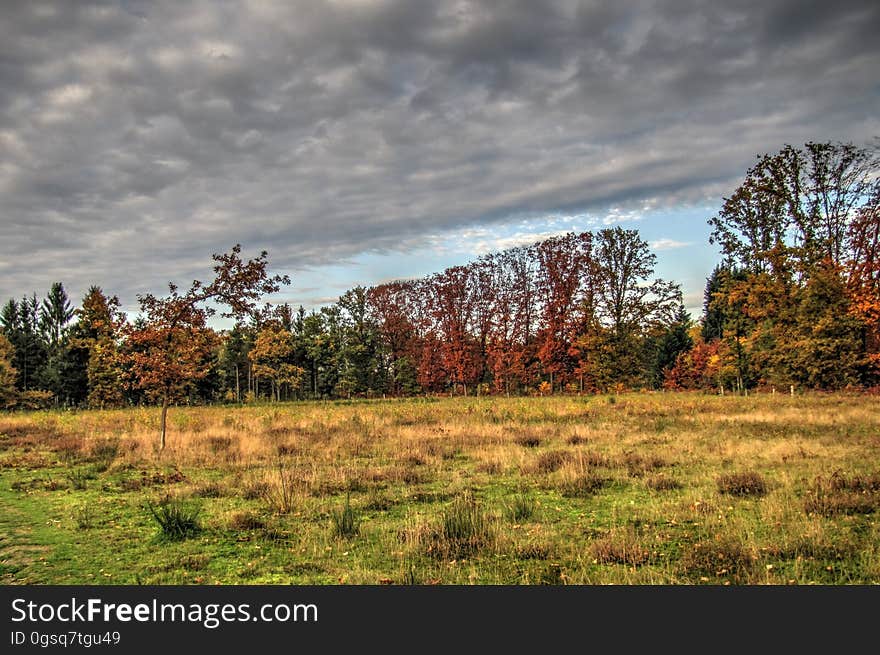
(169, 347)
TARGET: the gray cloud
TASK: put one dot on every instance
(136, 138)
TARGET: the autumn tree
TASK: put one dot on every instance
(800, 218)
(7, 373)
(171, 346)
(452, 302)
(392, 308)
(272, 355)
(565, 265)
(862, 274)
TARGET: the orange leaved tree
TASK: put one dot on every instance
(169, 347)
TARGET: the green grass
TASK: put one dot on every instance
(648, 489)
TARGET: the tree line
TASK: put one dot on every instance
(795, 301)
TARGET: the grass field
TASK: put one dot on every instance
(629, 489)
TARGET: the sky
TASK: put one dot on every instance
(363, 141)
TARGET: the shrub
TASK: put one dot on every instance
(78, 478)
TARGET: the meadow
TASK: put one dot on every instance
(633, 489)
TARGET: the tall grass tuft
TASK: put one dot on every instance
(520, 508)
(464, 529)
(176, 520)
(346, 522)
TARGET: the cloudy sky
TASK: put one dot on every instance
(364, 140)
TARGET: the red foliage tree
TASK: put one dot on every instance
(168, 346)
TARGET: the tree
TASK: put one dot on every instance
(7, 373)
(674, 340)
(92, 368)
(20, 324)
(862, 272)
(235, 365)
(173, 343)
(391, 308)
(825, 350)
(360, 351)
(628, 302)
(565, 264)
(802, 220)
(55, 314)
(712, 327)
(793, 208)
(271, 356)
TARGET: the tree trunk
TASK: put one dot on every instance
(162, 421)
(237, 387)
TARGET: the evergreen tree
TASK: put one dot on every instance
(713, 306)
(674, 341)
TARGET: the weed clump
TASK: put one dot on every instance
(79, 478)
(528, 440)
(839, 494)
(103, 453)
(84, 517)
(638, 465)
(582, 484)
(662, 483)
(551, 461)
(620, 548)
(722, 559)
(747, 483)
(246, 521)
